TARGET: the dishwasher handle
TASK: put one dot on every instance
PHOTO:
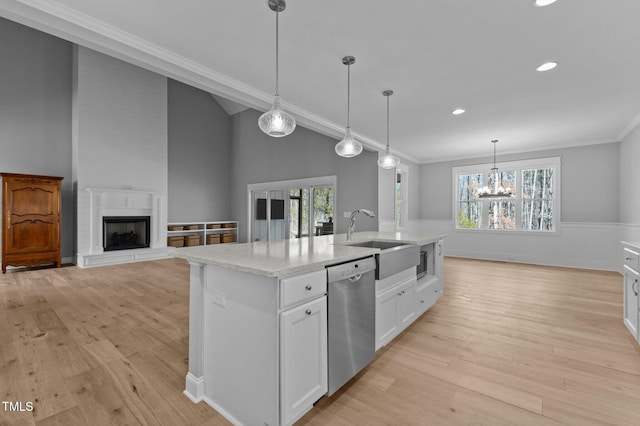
(355, 278)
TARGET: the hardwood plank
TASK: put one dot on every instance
(507, 344)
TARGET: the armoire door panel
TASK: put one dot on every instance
(31, 207)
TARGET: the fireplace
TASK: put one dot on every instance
(126, 232)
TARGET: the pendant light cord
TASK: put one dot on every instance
(348, 94)
(277, 51)
(387, 124)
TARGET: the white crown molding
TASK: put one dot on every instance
(69, 24)
(630, 127)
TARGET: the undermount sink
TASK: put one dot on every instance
(394, 256)
(382, 245)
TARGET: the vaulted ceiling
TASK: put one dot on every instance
(437, 55)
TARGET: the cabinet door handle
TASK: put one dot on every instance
(308, 287)
(633, 285)
(399, 294)
(308, 312)
(627, 258)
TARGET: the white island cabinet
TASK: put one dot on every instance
(258, 325)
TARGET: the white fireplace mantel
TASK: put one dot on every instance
(124, 202)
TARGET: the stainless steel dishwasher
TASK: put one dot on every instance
(351, 309)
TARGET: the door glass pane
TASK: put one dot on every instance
(323, 210)
(277, 203)
(259, 216)
(298, 212)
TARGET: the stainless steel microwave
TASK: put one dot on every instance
(422, 268)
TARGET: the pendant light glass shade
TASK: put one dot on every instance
(348, 146)
(277, 122)
(388, 160)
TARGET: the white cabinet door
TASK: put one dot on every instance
(631, 312)
(386, 317)
(303, 358)
(406, 304)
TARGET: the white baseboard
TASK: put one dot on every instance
(194, 388)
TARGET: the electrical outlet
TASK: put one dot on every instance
(347, 214)
(219, 299)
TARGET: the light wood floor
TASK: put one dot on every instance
(508, 344)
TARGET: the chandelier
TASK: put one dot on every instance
(495, 189)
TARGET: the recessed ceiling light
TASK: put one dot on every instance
(541, 3)
(458, 111)
(547, 66)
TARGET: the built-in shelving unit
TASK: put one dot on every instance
(184, 234)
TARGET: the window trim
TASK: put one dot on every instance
(519, 165)
(403, 170)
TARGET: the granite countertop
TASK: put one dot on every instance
(286, 257)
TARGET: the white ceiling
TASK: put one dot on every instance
(436, 55)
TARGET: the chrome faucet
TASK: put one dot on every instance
(352, 221)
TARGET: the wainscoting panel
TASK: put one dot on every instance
(577, 245)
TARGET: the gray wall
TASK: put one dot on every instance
(589, 183)
(387, 192)
(258, 158)
(199, 156)
(35, 112)
(629, 179)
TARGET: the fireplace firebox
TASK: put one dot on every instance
(126, 232)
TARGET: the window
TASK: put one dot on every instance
(401, 196)
(534, 207)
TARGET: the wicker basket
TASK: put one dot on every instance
(228, 225)
(214, 226)
(175, 242)
(227, 238)
(176, 228)
(190, 227)
(213, 238)
(192, 240)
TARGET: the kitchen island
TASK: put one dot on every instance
(258, 322)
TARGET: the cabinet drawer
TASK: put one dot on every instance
(427, 295)
(302, 287)
(632, 259)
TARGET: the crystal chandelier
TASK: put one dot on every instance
(388, 160)
(277, 122)
(348, 146)
(495, 189)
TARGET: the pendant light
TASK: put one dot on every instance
(388, 160)
(495, 188)
(348, 146)
(277, 122)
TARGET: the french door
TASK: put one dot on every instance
(292, 209)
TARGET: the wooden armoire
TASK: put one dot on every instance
(30, 220)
